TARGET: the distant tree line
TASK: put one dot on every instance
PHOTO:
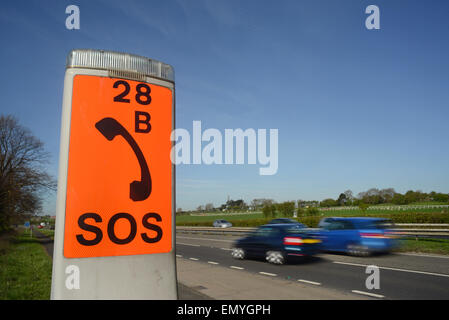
(376, 196)
(373, 196)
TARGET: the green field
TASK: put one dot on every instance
(379, 209)
(211, 217)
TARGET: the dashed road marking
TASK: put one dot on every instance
(179, 256)
(238, 268)
(194, 259)
(310, 282)
(212, 262)
(368, 294)
(268, 274)
(188, 244)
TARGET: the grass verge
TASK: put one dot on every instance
(436, 246)
(25, 269)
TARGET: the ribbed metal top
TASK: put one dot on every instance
(117, 61)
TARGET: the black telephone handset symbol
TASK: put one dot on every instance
(138, 190)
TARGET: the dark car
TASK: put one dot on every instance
(277, 243)
(356, 236)
(285, 220)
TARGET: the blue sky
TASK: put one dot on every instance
(355, 108)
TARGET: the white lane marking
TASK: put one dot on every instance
(228, 249)
(310, 282)
(188, 244)
(179, 256)
(206, 239)
(268, 274)
(194, 259)
(238, 268)
(395, 269)
(212, 262)
(368, 294)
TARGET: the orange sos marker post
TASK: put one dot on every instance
(114, 235)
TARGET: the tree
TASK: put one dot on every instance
(312, 211)
(328, 203)
(387, 195)
(342, 199)
(257, 204)
(286, 209)
(349, 197)
(23, 177)
(269, 210)
(398, 199)
(209, 207)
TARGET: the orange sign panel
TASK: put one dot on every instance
(119, 179)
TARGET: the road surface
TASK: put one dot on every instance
(402, 276)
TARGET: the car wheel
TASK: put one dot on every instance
(357, 250)
(238, 253)
(275, 257)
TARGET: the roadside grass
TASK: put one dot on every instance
(25, 269)
(48, 233)
(437, 246)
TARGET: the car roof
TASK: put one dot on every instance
(279, 225)
(357, 218)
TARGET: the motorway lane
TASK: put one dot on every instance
(401, 276)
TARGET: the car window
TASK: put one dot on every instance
(324, 223)
(335, 225)
(376, 224)
(339, 225)
(347, 225)
(294, 228)
(266, 232)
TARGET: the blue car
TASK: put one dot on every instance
(278, 243)
(356, 236)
